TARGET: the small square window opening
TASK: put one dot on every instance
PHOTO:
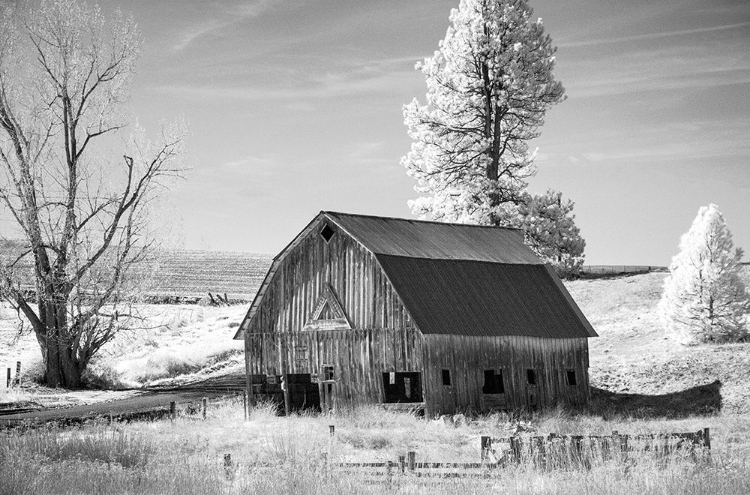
(493, 382)
(328, 373)
(447, 377)
(531, 377)
(571, 377)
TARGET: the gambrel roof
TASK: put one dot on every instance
(459, 279)
(436, 240)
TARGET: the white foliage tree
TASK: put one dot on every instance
(489, 86)
(551, 231)
(704, 298)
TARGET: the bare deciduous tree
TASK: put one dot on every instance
(65, 71)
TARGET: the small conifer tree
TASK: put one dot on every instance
(704, 298)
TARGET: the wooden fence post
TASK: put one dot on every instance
(402, 463)
(8, 383)
(553, 454)
(515, 447)
(245, 403)
(173, 410)
(326, 467)
(486, 448)
(389, 473)
(331, 433)
(412, 457)
(616, 445)
(541, 452)
(204, 403)
(707, 438)
(18, 373)
(228, 466)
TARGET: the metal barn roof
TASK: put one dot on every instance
(458, 279)
(435, 240)
(462, 297)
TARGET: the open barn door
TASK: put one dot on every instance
(402, 387)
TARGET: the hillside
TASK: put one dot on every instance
(178, 273)
(635, 355)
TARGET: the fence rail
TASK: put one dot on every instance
(604, 270)
(551, 452)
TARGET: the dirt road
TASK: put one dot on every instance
(148, 403)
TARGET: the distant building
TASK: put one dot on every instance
(446, 317)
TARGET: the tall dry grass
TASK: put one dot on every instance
(271, 454)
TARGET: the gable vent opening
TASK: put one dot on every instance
(326, 233)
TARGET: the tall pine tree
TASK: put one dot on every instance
(704, 298)
(489, 84)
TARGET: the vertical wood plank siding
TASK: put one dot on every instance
(468, 357)
(383, 337)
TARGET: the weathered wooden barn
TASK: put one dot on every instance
(363, 310)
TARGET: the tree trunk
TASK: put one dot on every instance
(61, 366)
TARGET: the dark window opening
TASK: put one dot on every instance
(571, 376)
(402, 387)
(447, 377)
(303, 393)
(328, 373)
(302, 389)
(531, 377)
(493, 382)
(326, 233)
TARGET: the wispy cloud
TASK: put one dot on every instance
(657, 68)
(386, 76)
(678, 142)
(231, 15)
(652, 36)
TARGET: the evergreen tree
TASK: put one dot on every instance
(704, 298)
(489, 84)
(551, 231)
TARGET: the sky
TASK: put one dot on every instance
(295, 106)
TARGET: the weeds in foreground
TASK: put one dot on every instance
(270, 454)
(109, 446)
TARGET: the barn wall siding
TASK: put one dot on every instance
(468, 357)
(359, 358)
(363, 290)
(382, 339)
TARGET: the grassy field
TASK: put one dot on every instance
(284, 455)
(635, 355)
(180, 272)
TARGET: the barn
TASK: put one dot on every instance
(434, 316)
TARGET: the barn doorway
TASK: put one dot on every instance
(303, 393)
(402, 386)
(326, 389)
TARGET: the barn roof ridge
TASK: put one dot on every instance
(434, 240)
(419, 220)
